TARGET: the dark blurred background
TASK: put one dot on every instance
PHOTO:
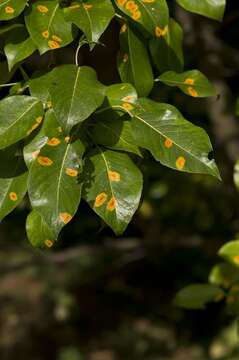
(101, 297)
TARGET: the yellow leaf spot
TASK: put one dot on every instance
(121, 2)
(123, 28)
(53, 141)
(45, 34)
(65, 217)
(44, 161)
(127, 106)
(56, 38)
(53, 44)
(13, 196)
(236, 259)
(9, 10)
(125, 58)
(39, 119)
(192, 92)
(100, 199)
(159, 32)
(136, 15)
(71, 172)
(49, 243)
(168, 143)
(111, 204)
(42, 9)
(67, 139)
(114, 176)
(129, 98)
(180, 162)
(87, 6)
(74, 6)
(189, 81)
(131, 6)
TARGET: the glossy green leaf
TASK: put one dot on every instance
(112, 187)
(230, 252)
(13, 180)
(167, 51)
(53, 185)
(19, 116)
(38, 232)
(133, 61)
(114, 131)
(171, 139)
(196, 296)
(213, 9)
(224, 275)
(47, 27)
(10, 9)
(192, 83)
(152, 15)
(18, 46)
(92, 17)
(75, 94)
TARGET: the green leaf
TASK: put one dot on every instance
(192, 83)
(171, 139)
(19, 116)
(92, 17)
(212, 9)
(18, 46)
(133, 61)
(13, 180)
(114, 131)
(224, 275)
(40, 84)
(76, 94)
(38, 232)
(53, 185)
(10, 9)
(152, 16)
(47, 27)
(230, 252)
(167, 51)
(196, 296)
(112, 187)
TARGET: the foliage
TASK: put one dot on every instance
(64, 135)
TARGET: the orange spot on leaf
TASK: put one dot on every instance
(100, 199)
(168, 143)
(111, 204)
(49, 243)
(65, 217)
(114, 176)
(180, 162)
(44, 161)
(71, 172)
(53, 141)
(13, 196)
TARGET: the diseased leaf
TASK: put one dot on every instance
(112, 187)
(151, 15)
(47, 27)
(230, 252)
(192, 83)
(19, 117)
(53, 185)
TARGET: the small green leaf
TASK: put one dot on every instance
(192, 83)
(212, 9)
(196, 296)
(112, 187)
(92, 17)
(38, 232)
(224, 275)
(75, 94)
(230, 252)
(19, 116)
